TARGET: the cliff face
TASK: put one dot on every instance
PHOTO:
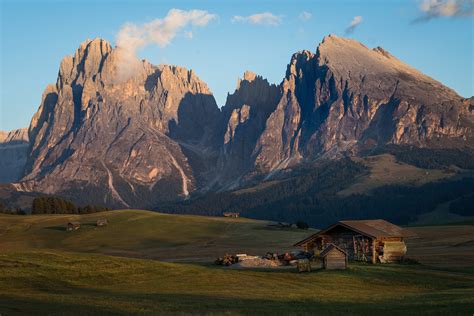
(244, 117)
(13, 153)
(346, 98)
(158, 134)
(115, 141)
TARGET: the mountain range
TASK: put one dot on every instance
(157, 138)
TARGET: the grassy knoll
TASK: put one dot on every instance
(147, 235)
(71, 283)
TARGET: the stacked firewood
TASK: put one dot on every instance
(227, 260)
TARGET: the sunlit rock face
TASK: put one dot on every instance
(135, 134)
(13, 154)
(346, 98)
(120, 141)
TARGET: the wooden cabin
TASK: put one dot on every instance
(362, 240)
(334, 257)
(101, 222)
(72, 226)
(231, 214)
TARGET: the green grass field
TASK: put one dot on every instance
(46, 270)
(145, 234)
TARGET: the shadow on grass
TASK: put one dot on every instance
(83, 225)
(120, 303)
(57, 228)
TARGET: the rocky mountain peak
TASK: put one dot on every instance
(252, 90)
(297, 61)
(125, 119)
(141, 134)
(86, 62)
(13, 153)
(13, 136)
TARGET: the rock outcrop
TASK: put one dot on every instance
(13, 154)
(244, 117)
(346, 98)
(157, 134)
(119, 142)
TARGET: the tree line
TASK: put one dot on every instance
(312, 196)
(57, 205)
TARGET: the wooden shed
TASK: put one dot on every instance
(101, 222)
(231, 214)
(362, 240)
(334, 257)
(71, 226)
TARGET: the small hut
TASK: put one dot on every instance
(102, 222)
(72, 226)
(334, 257)
(231, 214)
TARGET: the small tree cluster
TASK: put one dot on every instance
(88, 209)
(13, 211)
(302, 225)
(53, 205)
(56, 205)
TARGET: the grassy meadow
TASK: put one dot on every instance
(121, 270)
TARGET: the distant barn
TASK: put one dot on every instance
(101, 222)
(71, 226)
(362, 240)
(231, 214)
(333, 257)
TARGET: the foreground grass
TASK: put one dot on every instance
(56, 282)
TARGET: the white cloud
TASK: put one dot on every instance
(160, 31)
(132, 37)
(354, 23)
(445, 8)
(305, 16)
(264, 18)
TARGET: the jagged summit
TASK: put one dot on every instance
(120, 135)
(16, 135)
(137, 134)
(249, 75)
(13, 153)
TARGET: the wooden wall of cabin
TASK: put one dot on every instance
(364, 248)
(357, 246)
(391, 249)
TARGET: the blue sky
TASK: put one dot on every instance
(36, 35)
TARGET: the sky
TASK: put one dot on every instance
(222, 39)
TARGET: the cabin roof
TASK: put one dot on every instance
(374, 228)
(329, 248)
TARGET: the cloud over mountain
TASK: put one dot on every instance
(264, 18)
(354, 23)
(132, 37)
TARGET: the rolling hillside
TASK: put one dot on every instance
(146, 234)
(46, 270)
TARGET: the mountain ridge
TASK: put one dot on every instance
(158, 135)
